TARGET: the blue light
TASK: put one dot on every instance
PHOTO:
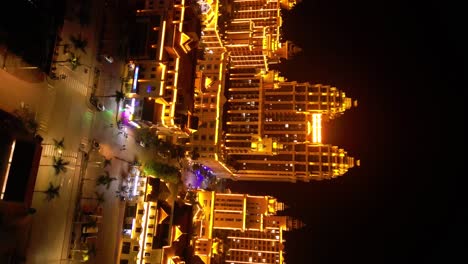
(135, 78)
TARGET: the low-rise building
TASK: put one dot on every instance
(162, 48)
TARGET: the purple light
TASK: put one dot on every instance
(125, 116)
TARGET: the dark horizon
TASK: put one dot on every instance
(403, 62)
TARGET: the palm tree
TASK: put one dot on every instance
(73, 59)
(119, 97)
(51, 192)
(99, 198)
(59, 145)
(60, 165)
(105, 180)
(122, 192)
(79, 43)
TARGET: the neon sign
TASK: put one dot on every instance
(135, 78)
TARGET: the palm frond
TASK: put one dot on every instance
(59, 144)
(105, 180)
(52, 192)
(79, 43)
(119, 96)
(60, 165)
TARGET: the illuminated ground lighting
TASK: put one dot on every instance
(109, 113)
(10, 159)
(134, 124)
(316, 128)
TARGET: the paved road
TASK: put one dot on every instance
(71, 119)
(112, 146)
(63, 111)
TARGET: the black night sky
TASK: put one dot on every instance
(405, 62)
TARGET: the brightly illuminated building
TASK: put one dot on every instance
(162, 47)
(253, 124)
(269, 129)
(221, 48)
(20, 153)
(240, 227)
(210, 80)
(273, 129)
(252, 33)
(154, 224)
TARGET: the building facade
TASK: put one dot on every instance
(210, 81)
(240, 228)
(253, 33)
(148, 223)
(273, 129)
(162, 50)
(254, 124)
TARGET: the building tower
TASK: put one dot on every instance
(252, 33)
(159, 79)
(210, 80)
(269, 129)
(273, 129)
(248, 225)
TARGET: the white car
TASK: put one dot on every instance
(100, 107)
(108, 58)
